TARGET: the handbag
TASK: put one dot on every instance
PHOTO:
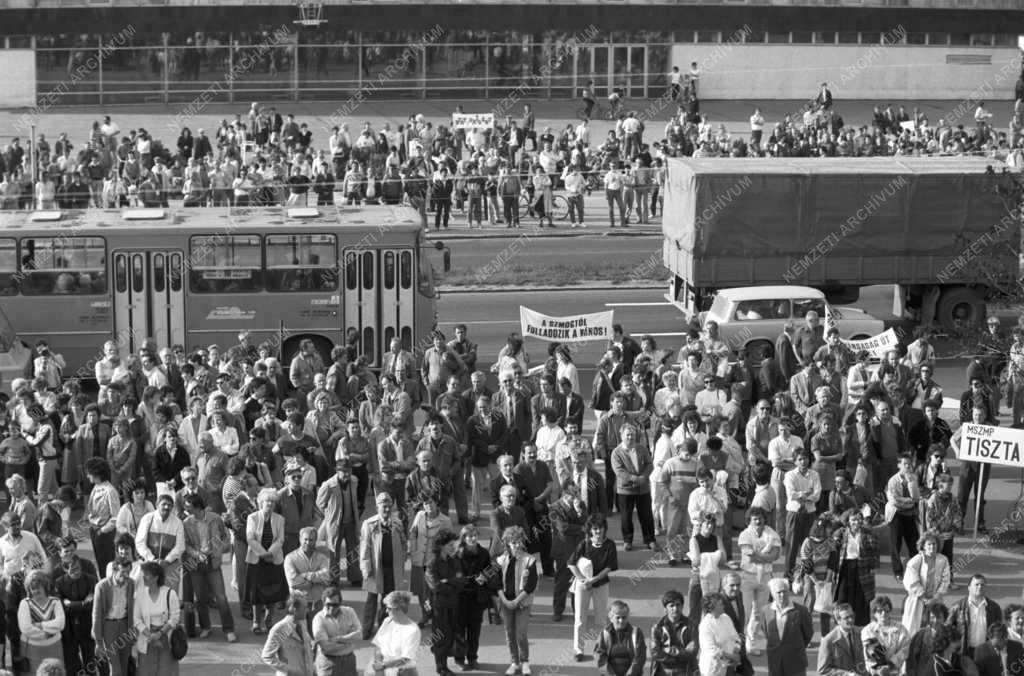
(823, 592)
(178, 640)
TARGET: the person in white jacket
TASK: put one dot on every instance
(719, 643)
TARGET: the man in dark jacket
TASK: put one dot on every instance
(74, 587)
(971, 635)
(441, 196)
(567, 517)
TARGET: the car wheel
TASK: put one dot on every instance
(760, 349)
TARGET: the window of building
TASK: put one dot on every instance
(824, 37)
(938, 38)
(63, 265)
(917, 38)
(849, 37)
(803, 37)
(960, 39)
(302, 263)
(870, 38)
(778, 38)
(8, 267)
(709, 36)
(225, 264)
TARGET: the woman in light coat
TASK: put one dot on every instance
(265, 581)
(719, 643)
(926, 580)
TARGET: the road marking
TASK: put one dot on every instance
(646, 304)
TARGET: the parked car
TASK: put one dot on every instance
(753, 316)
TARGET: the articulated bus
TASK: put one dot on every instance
(196, 277)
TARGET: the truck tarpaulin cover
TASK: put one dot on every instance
(863, 207)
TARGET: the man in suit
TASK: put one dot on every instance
(397, 358)
(736, 610)
(486, 434)
(507, 477)
(568, 517)
(628, 347)
(515, 407)
(337, 501)
(841, 652)
(574, 405)
(973, 634)
(549, 397)
(999, 655)
(296, 504)
(592, 490)
(788, 632)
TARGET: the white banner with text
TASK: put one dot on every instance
(472, 120)
(877, 346)
(572, 329)
(988, 444)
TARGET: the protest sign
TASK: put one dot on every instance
(472, 120)
(572, 329)
(990, 445)
(876, 346)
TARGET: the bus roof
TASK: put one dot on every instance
(210, 218)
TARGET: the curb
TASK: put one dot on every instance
(512, 233)
(547, 289)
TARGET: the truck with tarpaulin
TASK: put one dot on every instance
(944, 230)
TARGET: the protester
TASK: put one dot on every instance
(155, 611)
(41, 620)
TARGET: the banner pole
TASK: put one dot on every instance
(977, 497)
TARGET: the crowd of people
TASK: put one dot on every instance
(771, 482)
(496, 175)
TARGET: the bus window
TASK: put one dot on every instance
(63, 265)
(302, 263)
(8, 267)
(225, 264)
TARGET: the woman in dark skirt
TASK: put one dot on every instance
(854, 566)
(265, 583)
(474, 597)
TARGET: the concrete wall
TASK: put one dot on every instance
(19, 73)
(879, 72)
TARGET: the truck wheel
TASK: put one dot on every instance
(760, 349)
(960, 307)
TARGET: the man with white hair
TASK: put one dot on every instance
(789, 631)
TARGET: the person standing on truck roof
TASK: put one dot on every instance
(808, 338)
(785, 354)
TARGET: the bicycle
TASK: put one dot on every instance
(609, 111)
(559, 206)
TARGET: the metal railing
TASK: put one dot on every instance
(917, 4)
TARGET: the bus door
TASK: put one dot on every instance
(149, 298)
(378, 299)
